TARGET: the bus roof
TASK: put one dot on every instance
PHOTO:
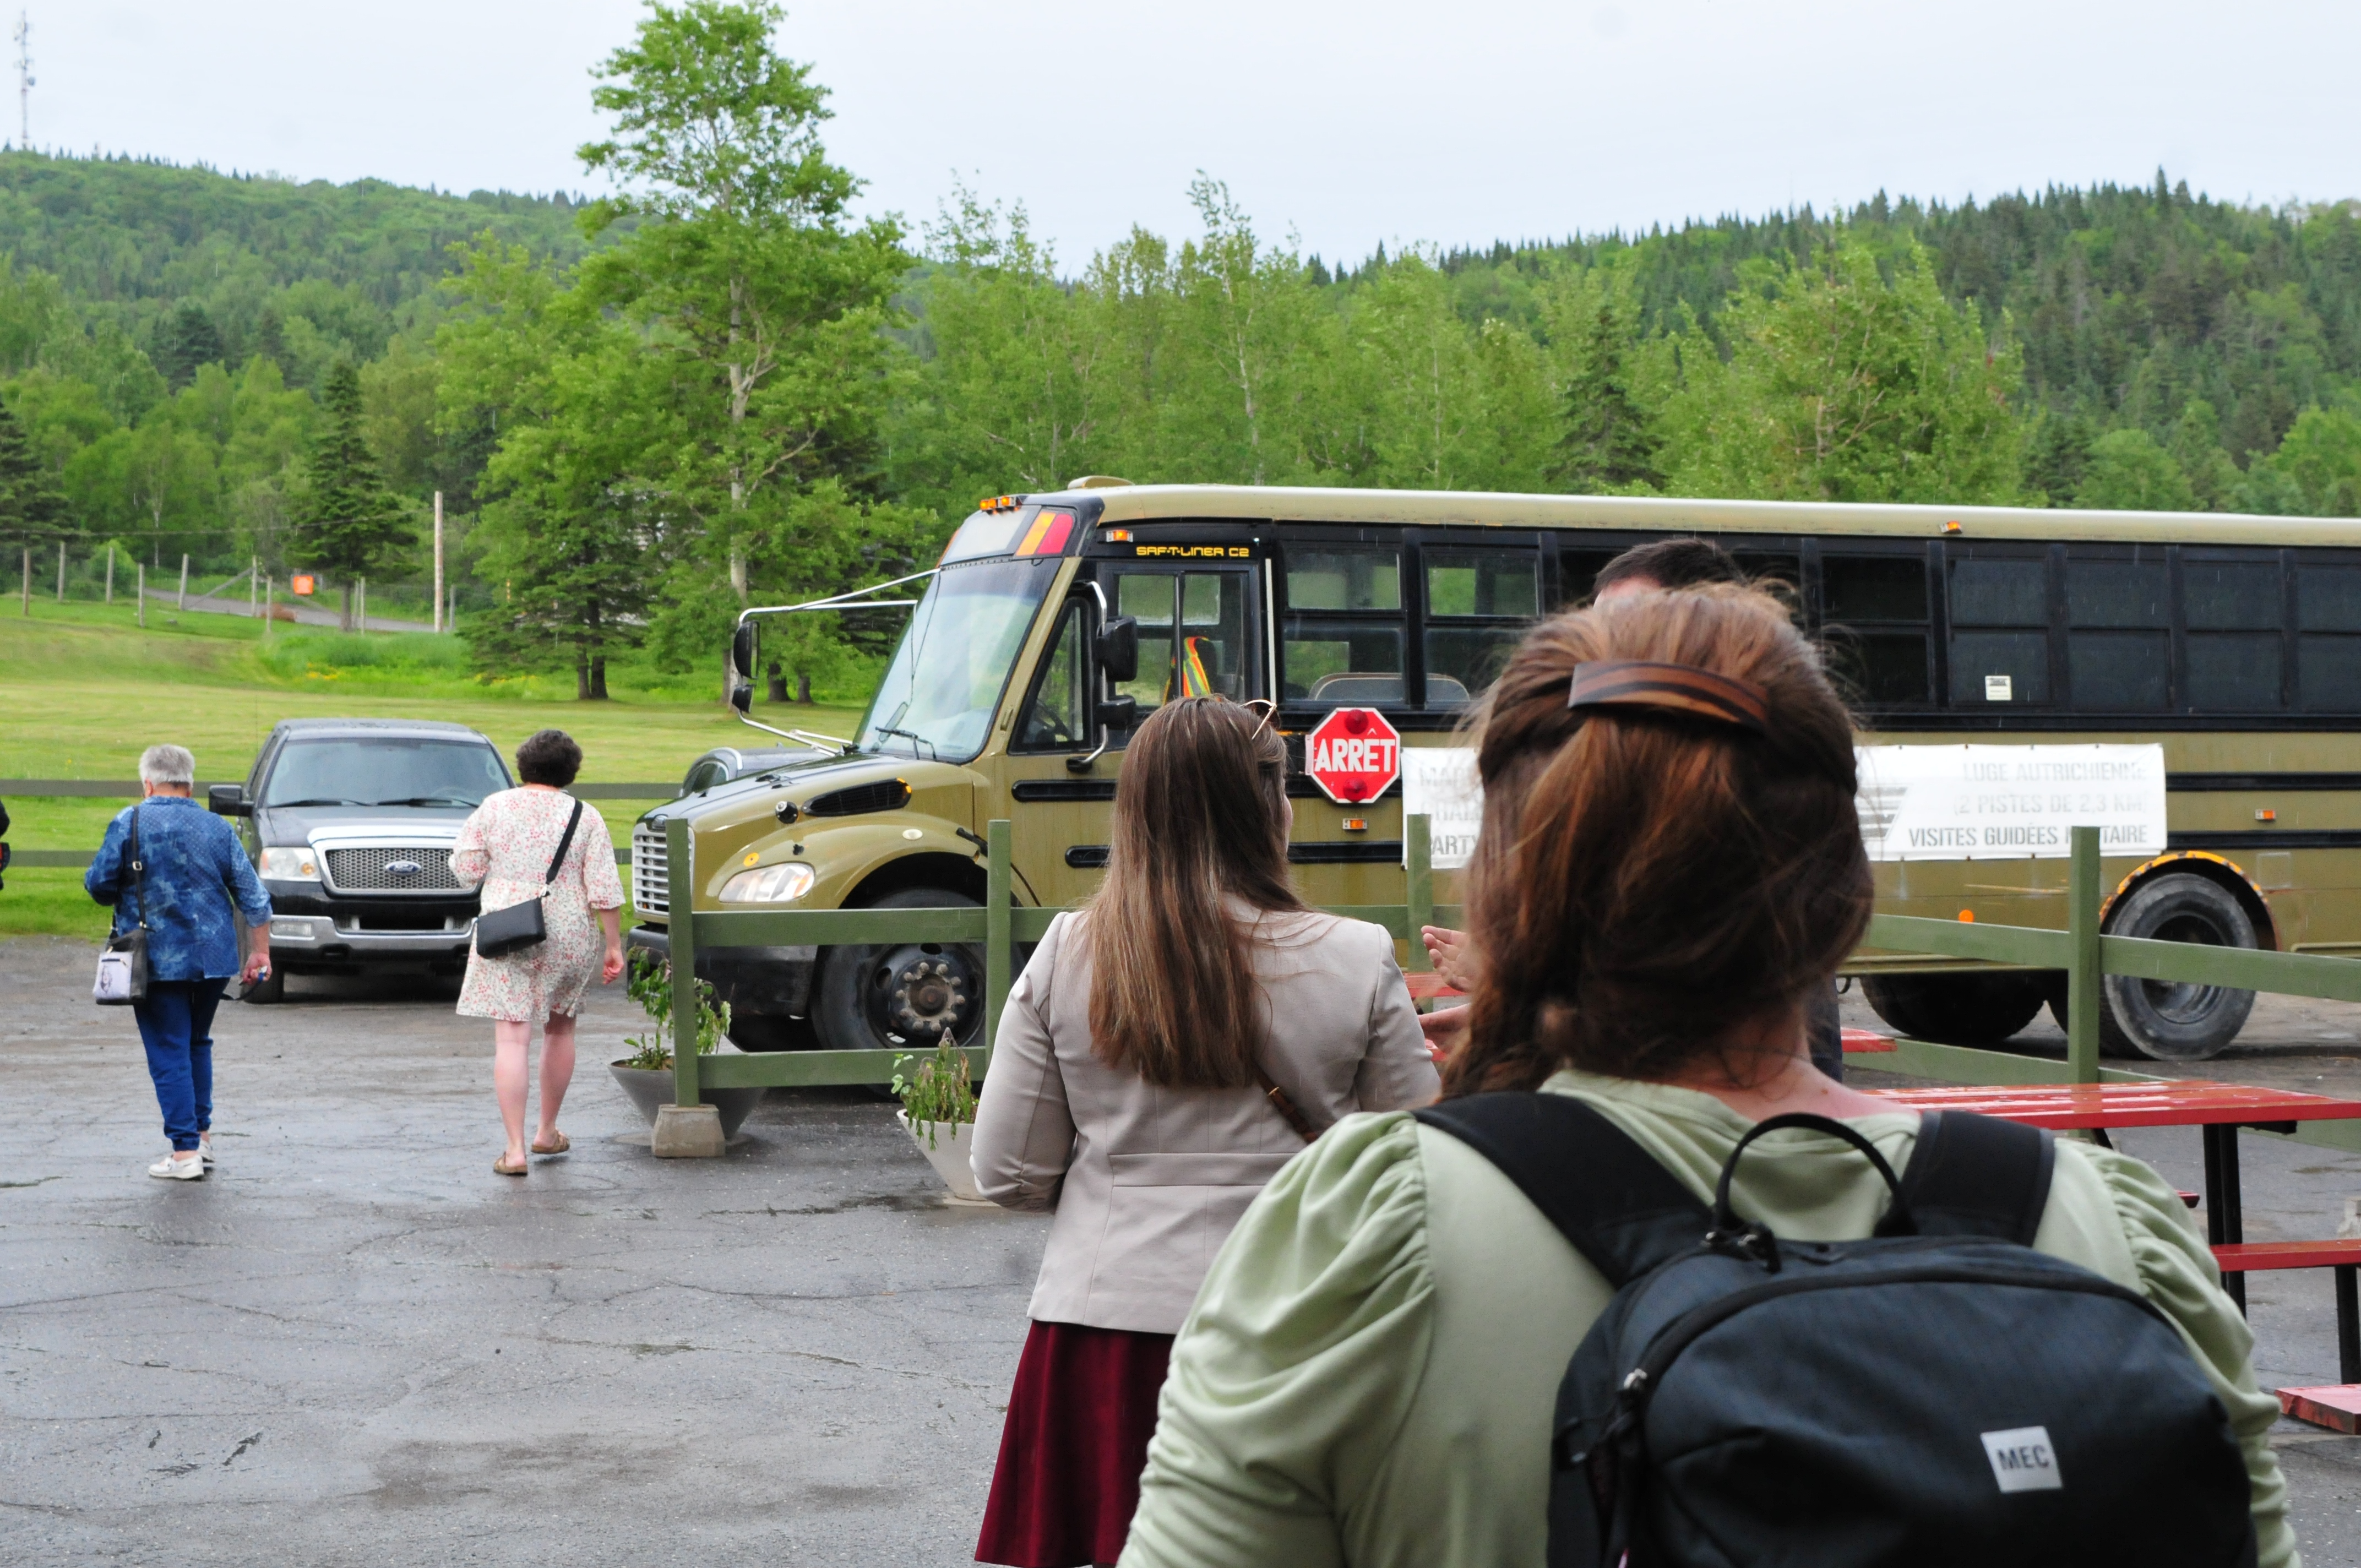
(1473, 508)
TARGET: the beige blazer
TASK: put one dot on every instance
(1147, 1182)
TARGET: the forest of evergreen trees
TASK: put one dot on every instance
(168, 335)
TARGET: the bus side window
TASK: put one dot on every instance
(1147, 597)
(2118, 636)
(2328, 652)
(1478, 604)
(2000, 630)
(1057, 718)
(1342, 643)
(2235, 611)
(1876, 625)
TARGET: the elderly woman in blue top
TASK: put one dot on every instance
(193, 869)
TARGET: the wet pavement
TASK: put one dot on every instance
(354, 1345)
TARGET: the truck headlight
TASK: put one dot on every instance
(781, 884)
(289, 865)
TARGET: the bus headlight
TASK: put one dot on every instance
(782, 883)
(289, 865)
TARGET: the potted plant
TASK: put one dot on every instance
(938, 1112)
(646, 1074)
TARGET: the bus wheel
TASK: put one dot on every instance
(904, 997)
(2166, 1020)
(1956, 1009)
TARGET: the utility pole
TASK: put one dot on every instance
(438, 559)
(24, 83)
(184, 582)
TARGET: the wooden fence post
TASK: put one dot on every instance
(686, 1128)
(183, 602)
(999, 944)
(2082, 981)
(1418, 855)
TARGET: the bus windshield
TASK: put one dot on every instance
(937, 698)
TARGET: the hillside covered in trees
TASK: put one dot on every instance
(723, 386)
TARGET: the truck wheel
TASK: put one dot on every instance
(265, 991)
(902, 997)
(1956, 1009)
(2161, 1019)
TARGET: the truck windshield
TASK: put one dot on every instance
(388, 772)
(937, 698)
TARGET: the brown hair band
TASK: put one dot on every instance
(1678, 689)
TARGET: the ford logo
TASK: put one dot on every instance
(404, 868)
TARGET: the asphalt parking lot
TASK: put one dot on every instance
(354, 1345)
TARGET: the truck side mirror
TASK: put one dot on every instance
(1117, 649)
(1119, 712)
(741, 648)
(741, 694)
(228, 800)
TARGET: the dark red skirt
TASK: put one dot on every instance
(1071, 1456)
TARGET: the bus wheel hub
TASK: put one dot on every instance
(929, 998)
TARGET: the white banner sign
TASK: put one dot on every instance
(1975, 803)
(1917, 803)
(1441, 782)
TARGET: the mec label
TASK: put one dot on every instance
(2023, 1461)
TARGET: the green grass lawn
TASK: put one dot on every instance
(83, 690)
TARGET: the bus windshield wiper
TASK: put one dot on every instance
(915, 741)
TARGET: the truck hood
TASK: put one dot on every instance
(278, 826)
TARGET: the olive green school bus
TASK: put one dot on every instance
(1056, 622)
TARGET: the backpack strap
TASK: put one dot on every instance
(1974, 1175)
(1623, 1212)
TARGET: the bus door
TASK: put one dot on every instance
(1201, 633)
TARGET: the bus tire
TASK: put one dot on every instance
(861, 990)
(2164, 1021)
(1956, 1009)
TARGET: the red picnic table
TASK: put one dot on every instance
(2217, 1111)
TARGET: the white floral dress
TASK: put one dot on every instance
(506, 846)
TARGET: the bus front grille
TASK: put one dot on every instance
(651, 891)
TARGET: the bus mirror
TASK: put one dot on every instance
(1118, 649)
(741, 650)
(742, 696)
(1119, 712)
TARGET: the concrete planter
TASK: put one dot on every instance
(652, 1087)
(948, 1154)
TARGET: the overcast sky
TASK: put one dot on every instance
(1349, 124)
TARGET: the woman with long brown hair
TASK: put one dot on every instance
(1670, 868)
(1168, 1049)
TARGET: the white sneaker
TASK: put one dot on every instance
(172, 1169)
(205, 1149)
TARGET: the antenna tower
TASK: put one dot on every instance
(23, 36)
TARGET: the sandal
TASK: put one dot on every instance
(560, 1146)
(501, 1166)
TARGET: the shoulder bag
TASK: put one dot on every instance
(122, 966)
(500, 932)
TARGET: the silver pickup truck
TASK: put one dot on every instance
(351, 824)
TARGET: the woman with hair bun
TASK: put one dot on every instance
(508, 847)
(1169, 1049)
(1670, 869)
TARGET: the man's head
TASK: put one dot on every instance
(1667, 563)
(167, 769)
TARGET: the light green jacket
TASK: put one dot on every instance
(1368, 1375)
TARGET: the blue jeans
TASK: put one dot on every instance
(176, 1023)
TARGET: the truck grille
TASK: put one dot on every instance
(651, 872)
(398, 868)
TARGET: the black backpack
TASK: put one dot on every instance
(1939, 1393)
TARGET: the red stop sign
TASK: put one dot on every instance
(1354, 754)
